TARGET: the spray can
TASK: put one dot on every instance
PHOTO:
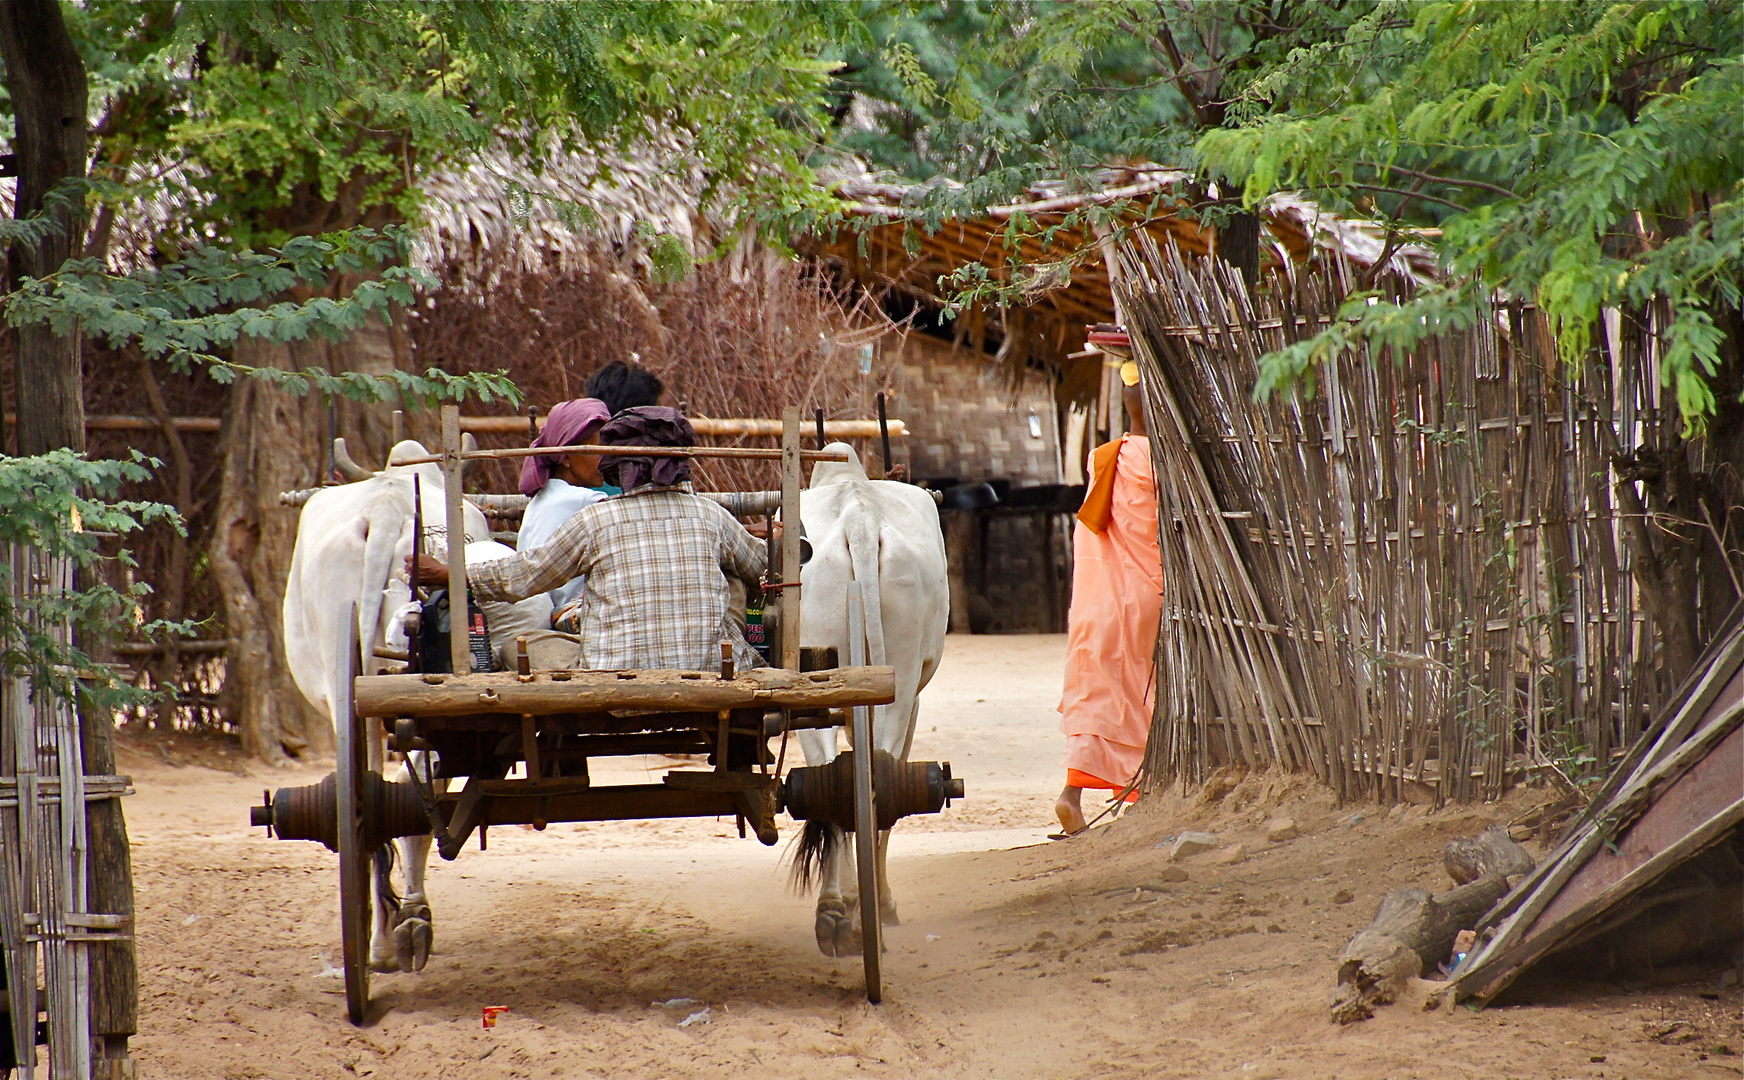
(478, 636)
(756, 633)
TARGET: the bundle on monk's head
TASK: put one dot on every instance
(646, 425)
(567, 425)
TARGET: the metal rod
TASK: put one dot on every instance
(459, 651)
(884, 432)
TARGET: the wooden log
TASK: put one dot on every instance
(500, 693)
(1413, 930)
(1491, 853)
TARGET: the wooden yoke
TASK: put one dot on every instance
(459, 629)
(790, 482)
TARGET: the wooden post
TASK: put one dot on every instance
(790, 524)
(114, 964)
(459, 644)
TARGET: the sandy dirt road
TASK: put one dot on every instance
(1016, 958)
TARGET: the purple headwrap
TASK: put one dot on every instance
(567, 425)
(646, 425)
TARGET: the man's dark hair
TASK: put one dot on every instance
(622, 387)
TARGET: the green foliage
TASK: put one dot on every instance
(1580, 155)
(56, 503)
(184, 312)
(997, 94)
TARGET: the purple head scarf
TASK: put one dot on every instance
(646, 425)
(567, 425)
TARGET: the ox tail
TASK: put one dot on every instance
(379, 547)
(865, 553)
(384, 880)
(817, 846)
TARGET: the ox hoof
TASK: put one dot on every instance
(413, 936)
(837, 932)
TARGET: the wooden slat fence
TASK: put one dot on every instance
(1409, 574)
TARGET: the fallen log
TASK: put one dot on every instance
(1491, 853)
(1413, 930)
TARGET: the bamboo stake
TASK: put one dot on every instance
(752, 453)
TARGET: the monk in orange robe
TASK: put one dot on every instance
(1117, 586)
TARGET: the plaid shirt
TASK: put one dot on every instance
(656, 561)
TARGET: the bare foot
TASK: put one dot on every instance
(1071, 818)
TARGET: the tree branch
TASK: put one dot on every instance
(1433, 179)
(1407, 194)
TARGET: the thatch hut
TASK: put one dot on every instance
(1010, 392)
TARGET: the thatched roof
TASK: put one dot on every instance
(1065, 290)
(499, 213)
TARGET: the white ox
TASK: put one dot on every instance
(352, 543)
(886, 536)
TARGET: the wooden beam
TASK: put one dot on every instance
(791, 478)
(499, 693)
(459, 645)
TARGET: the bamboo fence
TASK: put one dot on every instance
(1407, 577)
(44, 912)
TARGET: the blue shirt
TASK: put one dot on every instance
(555, 504)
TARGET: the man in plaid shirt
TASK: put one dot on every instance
(656, 560)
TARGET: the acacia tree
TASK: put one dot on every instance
(999, 95)
(1584, 157)
(261, 126)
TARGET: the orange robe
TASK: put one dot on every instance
(1117, 586)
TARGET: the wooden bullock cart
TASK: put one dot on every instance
(482, 726)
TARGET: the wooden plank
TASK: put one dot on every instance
(618, 802)
(502, 693)
(1693, 812)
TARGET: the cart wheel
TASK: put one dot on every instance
(865, 809)
(866, 855)
(355, 884)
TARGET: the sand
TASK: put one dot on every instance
(1016, 957)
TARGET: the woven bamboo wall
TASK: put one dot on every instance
(963, 417)
(1009, 571)
(1409, 582)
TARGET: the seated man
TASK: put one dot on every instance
(656, 560)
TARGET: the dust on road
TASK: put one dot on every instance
(1016, 958)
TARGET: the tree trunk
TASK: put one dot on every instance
(1413, 930)
(274, 442)
(46, 81)
(1238, 244)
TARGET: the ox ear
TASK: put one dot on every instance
(468, 445)
(348, 468)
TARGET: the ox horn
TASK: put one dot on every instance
(468, 445)
(346, 467)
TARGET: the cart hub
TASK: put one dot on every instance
(387, 811)
(826, 792)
